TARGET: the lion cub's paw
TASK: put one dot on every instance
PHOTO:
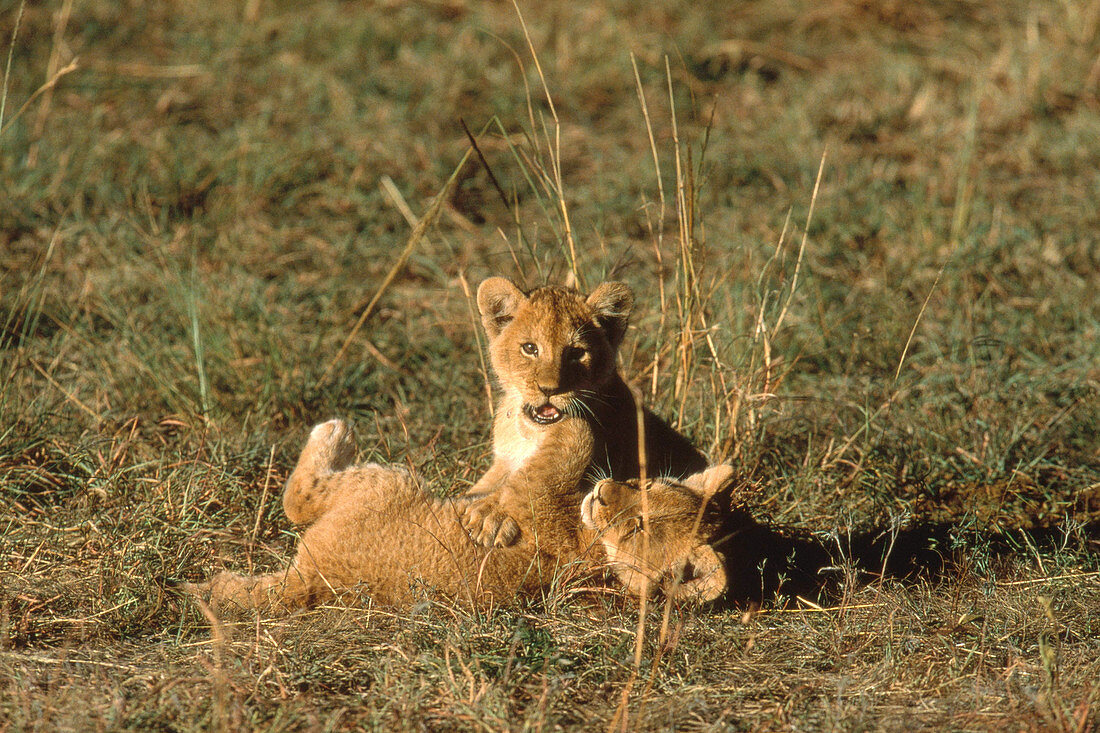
(488, 524)
(331, 446)
(705, 576)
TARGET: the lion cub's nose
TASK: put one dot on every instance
(548, 390)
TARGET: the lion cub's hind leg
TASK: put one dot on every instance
(332, 495)
(308, 492)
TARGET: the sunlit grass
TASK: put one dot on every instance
(189, 236)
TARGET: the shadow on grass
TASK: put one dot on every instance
(778, 565)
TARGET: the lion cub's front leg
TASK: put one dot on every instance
(488, 522)
(537, 495)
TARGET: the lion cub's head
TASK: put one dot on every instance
(553, 347)
(669, 548)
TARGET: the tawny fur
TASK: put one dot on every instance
(375, 531)
(556, 349)
(661, 540)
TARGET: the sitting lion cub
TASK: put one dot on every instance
(374, 529)
(669, 548)
(553, 351)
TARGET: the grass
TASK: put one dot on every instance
(192, 222)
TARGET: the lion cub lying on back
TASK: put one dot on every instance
(373, 529)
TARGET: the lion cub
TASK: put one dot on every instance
(374, 529)
(553, 351)
(668, 549)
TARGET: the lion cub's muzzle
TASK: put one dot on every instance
(545, 414)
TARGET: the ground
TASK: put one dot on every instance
(200, 201)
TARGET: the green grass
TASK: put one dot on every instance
(191, 222)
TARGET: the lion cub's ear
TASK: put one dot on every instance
(611, 302)
(497, 300)
(707, 483)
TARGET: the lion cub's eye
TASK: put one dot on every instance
(574, 353)
(529, 348)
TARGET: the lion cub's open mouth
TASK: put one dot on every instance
(544, 414)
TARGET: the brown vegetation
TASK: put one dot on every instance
(199, 201)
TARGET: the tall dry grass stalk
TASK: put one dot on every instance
(741, 394)
(420, 229)
(688, 341)
(61, 24)
(53, 77)
(553, 150)
(7, 67)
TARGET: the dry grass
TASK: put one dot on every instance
(193, 221)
